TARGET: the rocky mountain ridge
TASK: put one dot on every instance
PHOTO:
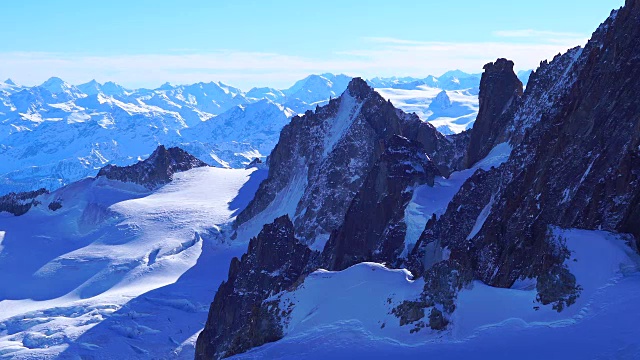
(323, 158)
(573, 135)
(157, 170)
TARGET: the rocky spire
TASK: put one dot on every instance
(499, 89)
(359, 89)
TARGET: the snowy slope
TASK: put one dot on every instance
(93, 276)
(428, 200)
(342, 315)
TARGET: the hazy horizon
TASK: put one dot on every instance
(145, 44)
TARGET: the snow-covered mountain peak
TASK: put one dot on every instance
(459, 74)
(319, 85)
(90, 88)
(55, 85)
(441, 101)
(10, 82)
(166, 86)
(113, 89)
(61, 90)
(265, 93)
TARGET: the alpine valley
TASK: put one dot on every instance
(463, 216)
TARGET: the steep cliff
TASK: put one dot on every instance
(323, 158)
(574, 165)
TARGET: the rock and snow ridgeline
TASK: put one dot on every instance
(500, 227)
(57, 133)
(367, 231)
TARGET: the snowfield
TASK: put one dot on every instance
(119, 272)
(345, 315)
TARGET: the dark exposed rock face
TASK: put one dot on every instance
(254, 163)
(472, 198)
(19, 203)
(500, 90)
(577, 167)
(238, 319)
(55, 205)
(327, 154)
(356, 154)
(374, 228)
(156, 170)
(574, 165)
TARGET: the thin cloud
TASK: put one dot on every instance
(381, 56)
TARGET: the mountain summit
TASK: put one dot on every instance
(512, 212)
(156, 170)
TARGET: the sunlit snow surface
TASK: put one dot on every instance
(339, 315)
(121, 273)
(118, 272)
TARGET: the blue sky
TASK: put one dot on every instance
(273, 43)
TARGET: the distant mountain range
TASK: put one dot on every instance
(56, 133)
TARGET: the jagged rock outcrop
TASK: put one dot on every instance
(238, 318)
(20, 203)
(323, 158)
(156, 170)
(357, 154)
(500, 90)
(374, 228)
(574, 165)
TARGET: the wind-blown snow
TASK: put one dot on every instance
(344, 321)
(348, 111)
(332, 298)
(118, 271)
